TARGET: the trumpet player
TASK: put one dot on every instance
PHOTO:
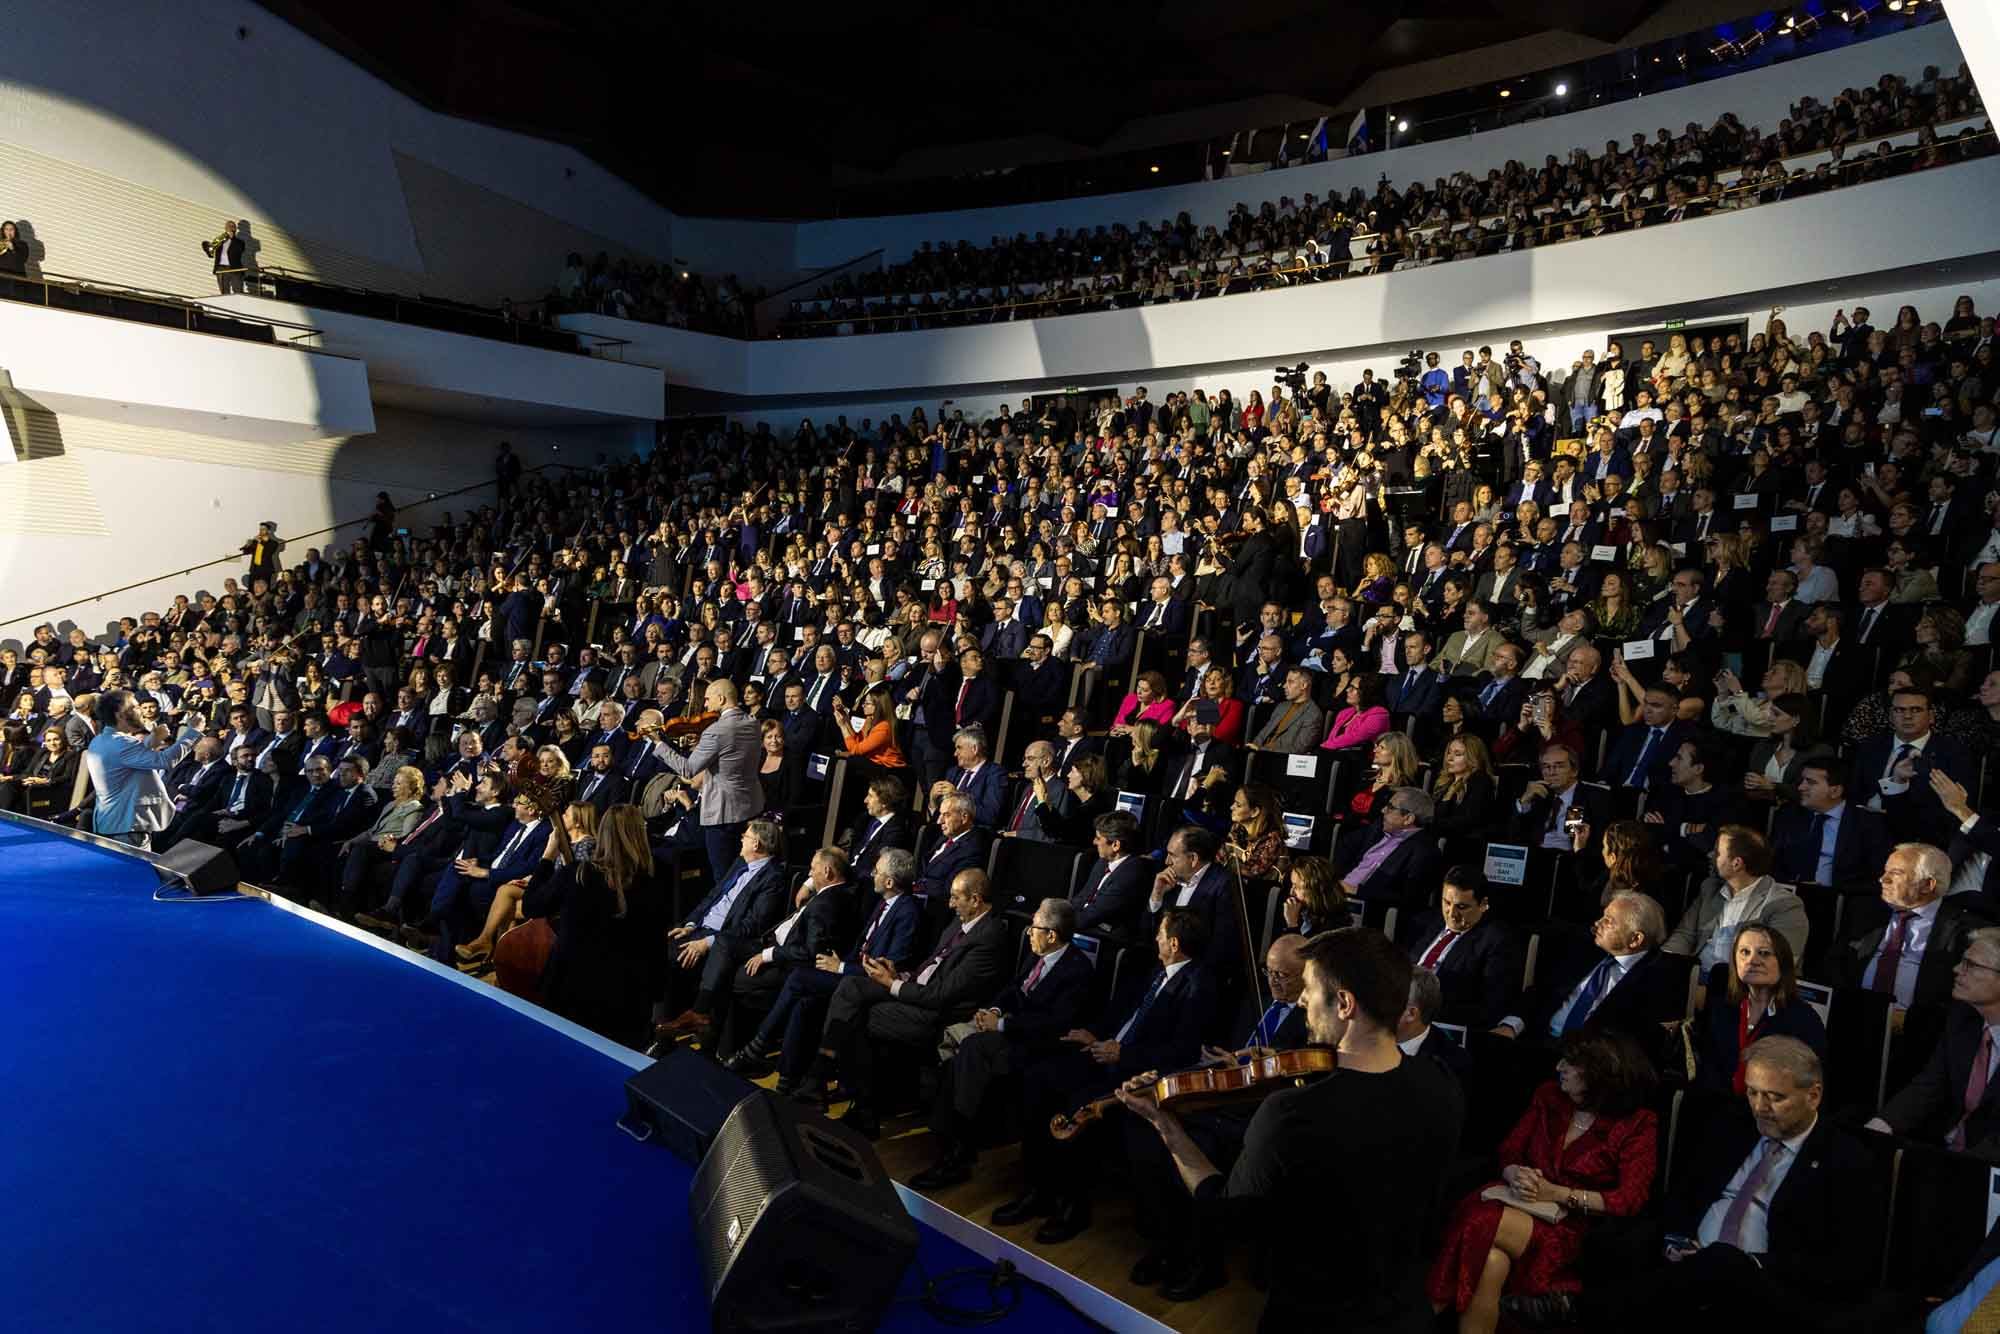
(225, 254)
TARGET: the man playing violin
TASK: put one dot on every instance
(1158, 1029)
(1176, 1254)
(1369, 1141)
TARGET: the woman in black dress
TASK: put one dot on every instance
(601, 974)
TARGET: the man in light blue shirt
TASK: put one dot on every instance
(128, 766)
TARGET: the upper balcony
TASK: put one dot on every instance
(147, 359)
(1849, 234)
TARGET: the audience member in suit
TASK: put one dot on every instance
(244, 798)
(729, 752)
(958, 846)
(1111, 900)
(975, 774)
(1395, 861)
(1478, 958)
(1541, 816)
(1417, 690)
(464, 893)
(819, 925)
(1041, 686)
(1823, 838)
(1976, 835)
(890, 1013)
(748, 900)
(1741, 890)
(790, 1029)
(1160, 1028)
(1754, 994)
(1193, 881)
(1419, 1036)
(261, 854)
(1892, 773)
(203, 780)
(1023, 1024)
(1805, 1252)
(978, 698)
(885, 822)
(1625, 983)
(1041, 791)
(1072, 741)
(1295, 724)
(1954, 1101)
(600, 785)
(1910, 954)
(1204, 777)
(1586, 693)
(1638, 757)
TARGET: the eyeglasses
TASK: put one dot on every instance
(1969, 962)
(1037, 926)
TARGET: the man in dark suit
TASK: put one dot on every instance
(974, 774)
(1073, 741)
(1205, 776)
(1111, 649)
(1159, 1029)
(465, 889)
(1736, 1243)
(1825, 839)
(1779, 618)
(1111, 901)
(1041, 792)
(242, 805)
(1625, 983)
(1908, 946)
(886, 1010)
(464, 827)
(199, 784)
(1586, 691)
(1478, 958)
(1024, 1023)
(790, 1028)
(262, 853)
(1638, 757)
(1541, 816)
(957, 846)
(822, 924)
(227, 259)
(1041, 686)
(1877, 622)
(1419, 1036)
(1005, 637)
(885, 822)
(1892, 773)
(748, 900)
(1954, 1101)
(1418, 689)
(600, 785)
(1397, 863)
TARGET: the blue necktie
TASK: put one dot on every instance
(1637, 777)
(1268, 1026)
(1586, 999)
(1487, 695)
(1145, 1004)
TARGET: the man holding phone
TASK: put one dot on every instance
(1892, 773)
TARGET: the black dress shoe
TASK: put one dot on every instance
(1195, 1284)
(1152, 1268)
(747, 1061)
(1542, 1310)
(1071, 1219)
(952, 1169)
(1032, 1205)
(810, 1093)
(787, 1087)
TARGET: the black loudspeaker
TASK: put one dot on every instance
(681, 1102)
(207, 869)
(798, 1226)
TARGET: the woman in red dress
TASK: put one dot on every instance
(1586, 1144)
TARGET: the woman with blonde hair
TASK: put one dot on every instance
(1144, 769)
(1315, 901)
(1740, 713)
(1396, 763)
(601, 973)
(579, 826)
(1464, 789)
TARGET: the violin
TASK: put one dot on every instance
(688, 727)
(1249, 1080)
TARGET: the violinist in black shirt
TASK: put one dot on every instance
(1370, 1141)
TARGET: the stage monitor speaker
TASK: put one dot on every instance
(798, 1226)
(681, 1102)
(208, 869)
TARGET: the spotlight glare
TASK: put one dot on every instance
(1562, 90)
(1402, 125)
(1506, 92)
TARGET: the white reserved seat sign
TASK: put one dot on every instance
(1507, 863)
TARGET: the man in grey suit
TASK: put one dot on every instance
(1741, 890)
(1296, 725)
(128, 770)
(728, 753)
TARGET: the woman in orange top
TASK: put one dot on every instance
(877, 739)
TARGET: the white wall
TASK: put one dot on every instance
(1759, 97)
(1717, 257)
(276, 129)
(1555, 348)
(103, 505)
(92, 365)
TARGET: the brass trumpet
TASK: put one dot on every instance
(210, 247)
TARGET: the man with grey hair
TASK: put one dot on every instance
(748, 900)
(1050, 793)
(1399, 864)
(1954, 1101)
(1625, 983)
(973, 773)
(1765, 1218)
(1911, 954)
(1416, 1033)
(957, 845)
(1024, 1022)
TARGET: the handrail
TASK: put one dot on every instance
(1354, 265)
(507, 329)
(238, 554)
(770, 309)
(815, 277)
(80, 285)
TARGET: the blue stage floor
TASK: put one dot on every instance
(221, 1115)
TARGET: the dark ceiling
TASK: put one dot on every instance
(756, 110)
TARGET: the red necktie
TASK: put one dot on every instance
(1891, 956)
(1975, 1088)
(1021, 812)
(1771, 623)
(1437, 949)
(1035, 975)
(958, 709)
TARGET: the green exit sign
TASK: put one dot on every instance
(1676, 324)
